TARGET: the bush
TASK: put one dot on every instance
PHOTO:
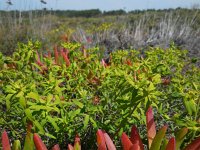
(76, 90)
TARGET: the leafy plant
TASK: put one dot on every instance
(73, 91)
(104, 142)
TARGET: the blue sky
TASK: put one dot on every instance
(101, 4)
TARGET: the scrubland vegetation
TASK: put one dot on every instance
(68, 73)
(110, 30)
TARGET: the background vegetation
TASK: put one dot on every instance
(110, 30)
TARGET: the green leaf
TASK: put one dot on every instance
(50, 135)
(33, 95)
(8, 99)
(40, 107)
(20, 94)
(151, 87)
(9, 89)
(22, 102)
(53, 122)
(93, 122)
(29, 144)
(37, 66)
(86, 120)
(28, 55)
(190, 106)
(176, 95)
(130, 81)
(58, 89)
(16, 145)
(195, 86)
(156, 79)
(72, 114)
(49, 98)
(79, 104)
(28, 114)
(39, 126)
(180, 135)
(157, 141)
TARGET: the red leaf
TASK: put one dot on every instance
(55, 147)
(38, 61)
(77, 143)
(135, 147)
(128, 62)
(65, 56)
(70, 147)
(151, 127)
(126, 143)
(194, 145)
(5, 141)
(109, 142)
(135, 138)
(64, 38)
(171, 144)
(49, 54)
(38, 142)
(77, 139)
(101, 140)
(56, 55)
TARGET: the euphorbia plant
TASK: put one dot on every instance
(104, 142)
(86, 95)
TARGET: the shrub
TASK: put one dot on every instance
(76, 90)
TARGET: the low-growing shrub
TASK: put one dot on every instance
(104, 142)
(77, 90)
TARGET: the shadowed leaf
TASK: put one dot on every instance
(194, 145)
(171, 144)
(70, 147)
(55, 147)
(180, 137)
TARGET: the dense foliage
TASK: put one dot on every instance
(77, 90)
(156, 140)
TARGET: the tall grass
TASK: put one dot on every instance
(138, 31)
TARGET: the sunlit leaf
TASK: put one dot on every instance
(151, 127)
(157, 141)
